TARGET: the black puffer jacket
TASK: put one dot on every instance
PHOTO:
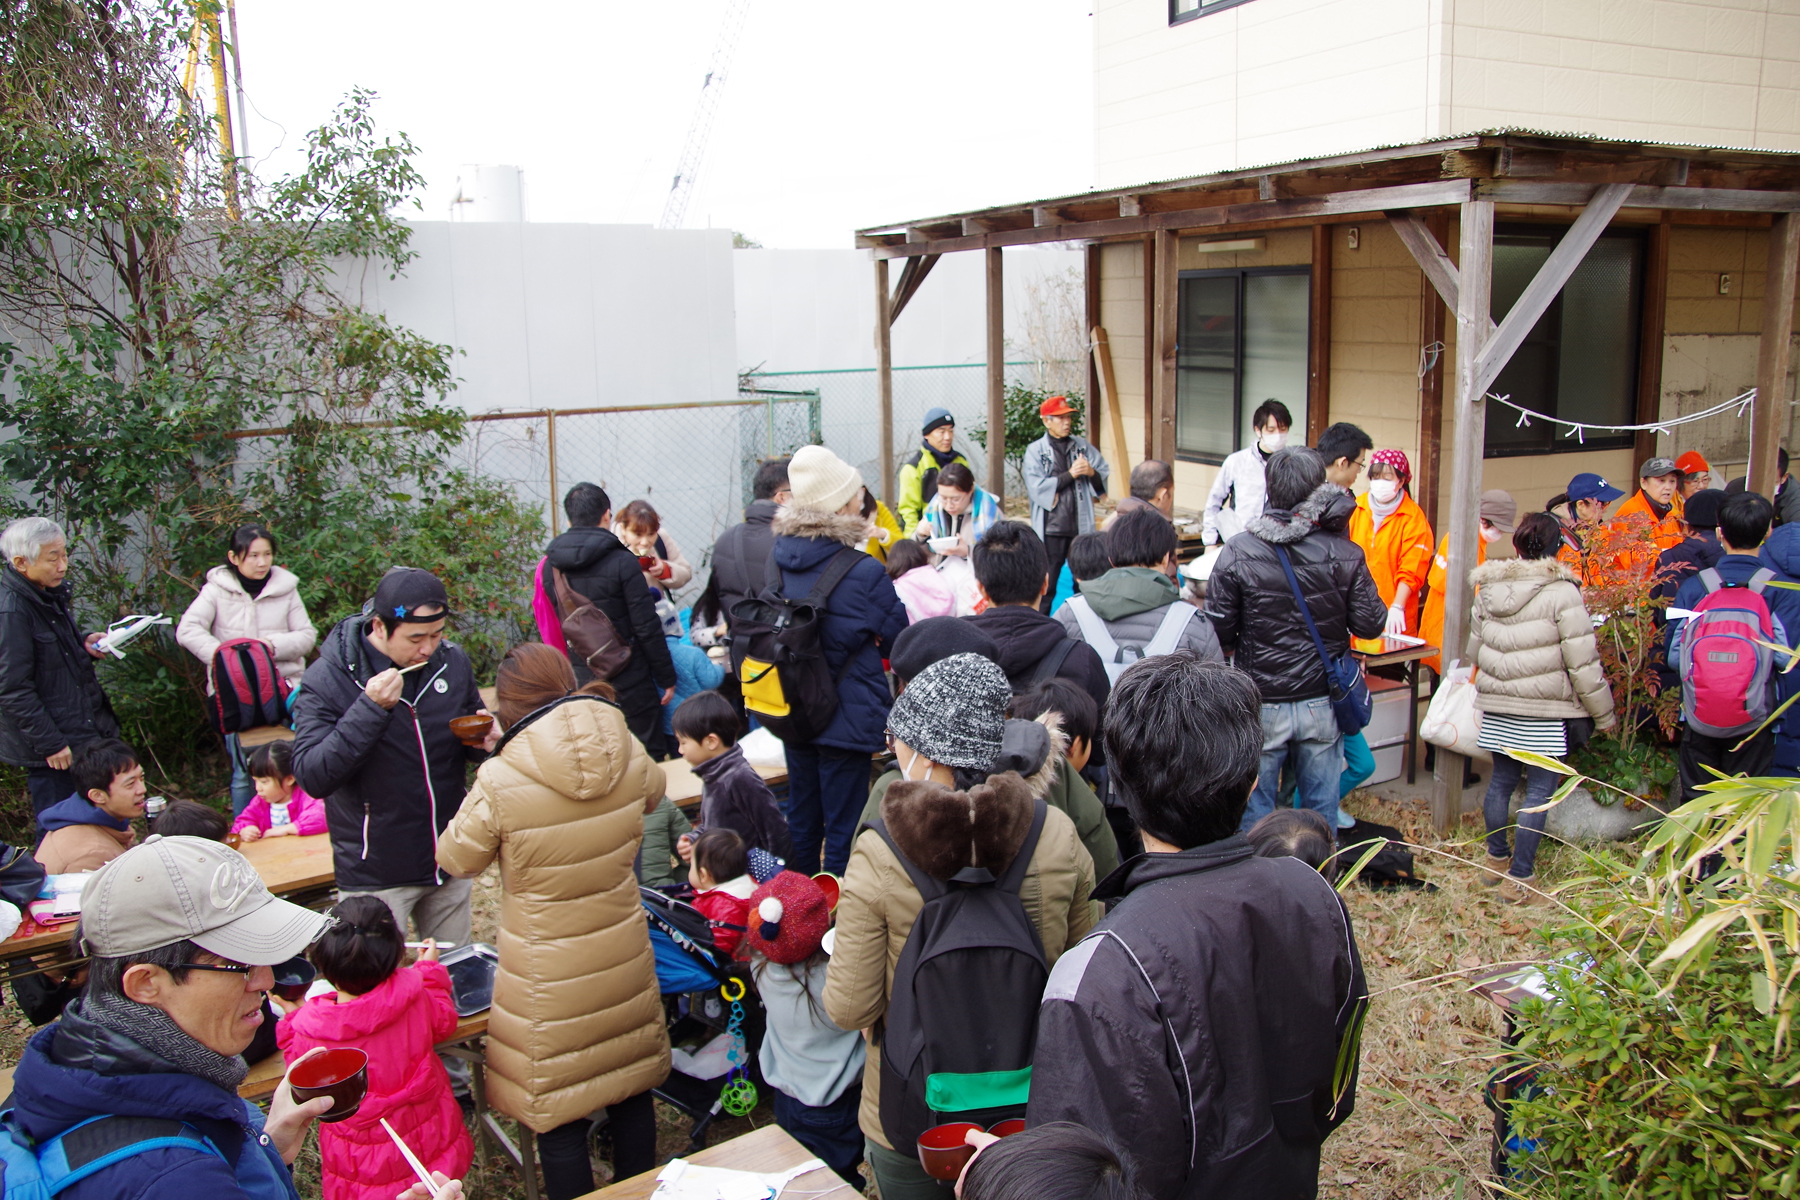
(50, 696)
(1200, 1023)
(741, 556)
(602, 568)
(391, 778)
(1252, 608)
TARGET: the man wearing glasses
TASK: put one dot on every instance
(182, 934)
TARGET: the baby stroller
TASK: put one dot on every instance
(711, 1008)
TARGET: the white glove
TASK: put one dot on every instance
(1396, 622)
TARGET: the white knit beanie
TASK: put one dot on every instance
(820, 479)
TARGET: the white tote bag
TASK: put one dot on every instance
(1452, 720)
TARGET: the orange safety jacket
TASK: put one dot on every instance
(1399, 552)
(1431, 621)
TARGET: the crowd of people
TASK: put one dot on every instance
(1079, 811)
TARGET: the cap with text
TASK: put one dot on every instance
(170, 889)
(1589, 486)
(1056, 406)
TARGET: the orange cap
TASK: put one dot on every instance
(1691, 463)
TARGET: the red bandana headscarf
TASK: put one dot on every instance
(1395, 459)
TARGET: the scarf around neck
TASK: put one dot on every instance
(157, 1032)
(944, 457)
(1381, 512)
(253, 586)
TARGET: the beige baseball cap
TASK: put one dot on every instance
(172, 888)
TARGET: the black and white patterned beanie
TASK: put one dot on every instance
(954, 712)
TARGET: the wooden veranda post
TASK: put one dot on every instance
(1472, 327)
(996, 376)
(1164, 351)
(1769, 414)
(884, 377)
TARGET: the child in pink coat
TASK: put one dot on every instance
(281, 806)
(924, 591)
(395, 1015)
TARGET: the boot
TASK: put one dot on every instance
(1520, 891)
(1496, 870)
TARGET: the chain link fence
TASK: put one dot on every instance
(695, 463)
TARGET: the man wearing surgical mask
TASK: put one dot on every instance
(1240, 483)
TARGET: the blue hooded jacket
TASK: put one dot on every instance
(862, 618)
(1781, 554)
(76, 810)
(74, 1069)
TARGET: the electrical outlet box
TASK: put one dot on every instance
(1353, 237)
(1724, 285)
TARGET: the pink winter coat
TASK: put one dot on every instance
(926, 593)
(306, 812)
(397, 1025)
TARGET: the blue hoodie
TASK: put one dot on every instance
(74, 1069)
(1781, 554)
(77, 810)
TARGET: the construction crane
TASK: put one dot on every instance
(681, 188)
(206, 31)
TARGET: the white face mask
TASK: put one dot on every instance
(1271, 442)
(1489, 534)
(1383, 491)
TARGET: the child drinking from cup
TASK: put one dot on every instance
(281, 805)
(395, 1015)
(814, 1067)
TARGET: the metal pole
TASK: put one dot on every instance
(243, 110)
(996, 377)
(884, 376)
(1472, 328)
(550, 438)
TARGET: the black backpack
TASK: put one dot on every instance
(778, 658)
(962, 1015)
(1046, 668)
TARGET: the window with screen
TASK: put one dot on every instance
(1241, 340)
(1580, 360)
(1187, 10)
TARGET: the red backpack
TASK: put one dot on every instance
(248, 690)
(1726, 676)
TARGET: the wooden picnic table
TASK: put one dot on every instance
(290, 866)
(1385, 651)
(265, 1075)
(767, 1149)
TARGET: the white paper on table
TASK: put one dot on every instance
(682, 1180)
(763, 749)
(1405, 639)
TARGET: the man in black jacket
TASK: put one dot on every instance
(1201, 1022)
(1253, 611)
(51, 702)
(372, 736)
(741, 554)
(602, 568)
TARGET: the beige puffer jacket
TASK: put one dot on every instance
(577, 1021)
(879, 902)
(1533, 645)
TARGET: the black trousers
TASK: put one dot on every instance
(47, 787)
(1058, 548)
(569, 1173)
(1698, 751)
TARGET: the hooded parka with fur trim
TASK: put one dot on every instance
(577, 1020)
(1533, 644)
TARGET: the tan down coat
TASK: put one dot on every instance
(577, 1021)
(931, 825)
(1533, 644)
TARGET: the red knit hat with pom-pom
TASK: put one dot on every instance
(787, 918)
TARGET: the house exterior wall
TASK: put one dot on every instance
(1274, 80)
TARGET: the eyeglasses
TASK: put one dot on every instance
(227, 968)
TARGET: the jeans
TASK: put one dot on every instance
(900, 1177)
(829, 1131)
(243, 788)
(827, 788)
(1308, 730)
(1496, 806)
(48, 786)
(569, 1172)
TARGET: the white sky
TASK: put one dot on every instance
(835, 115)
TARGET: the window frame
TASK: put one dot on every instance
(1206, 10)
(1241, 274)
(1571, 445)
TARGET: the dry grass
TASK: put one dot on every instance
(1419, 1129)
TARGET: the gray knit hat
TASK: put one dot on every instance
(954, 711)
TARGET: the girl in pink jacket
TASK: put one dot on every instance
(394, 1015)
(281, 806)
(924, 592)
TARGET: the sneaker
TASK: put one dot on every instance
(1496, 870)
(1345, 820)
(1521, 891)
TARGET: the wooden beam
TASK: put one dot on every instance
(1359, 202)
(884, 372)
(1519, 191)
(1650, 340)
(1149, 259)
(911, 276)
(1440, 272)
(1497, 350)
(1168, 303)
(996, 376)
(1432, 312)
(1318, 355)
(1109, 385)
(1477, 264)
(1091, 312)
(1769, 415)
